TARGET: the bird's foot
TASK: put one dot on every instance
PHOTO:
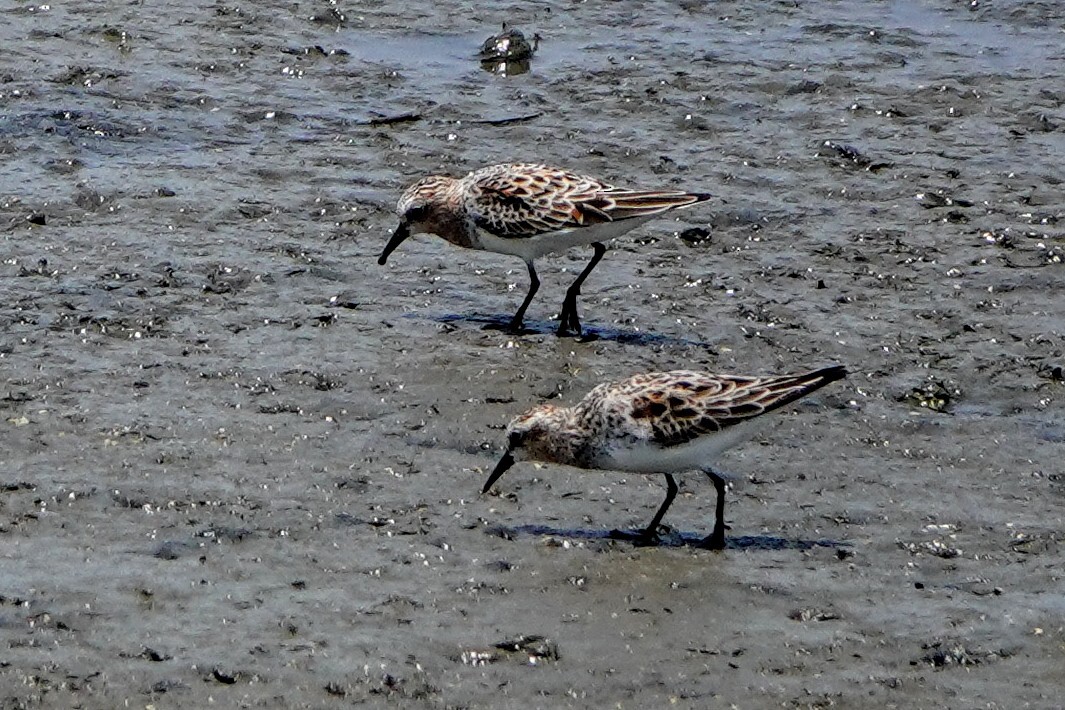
(645, 540)
(639, 538)
(566, 331)
(569, 325)
(713, 541)
(511, 328)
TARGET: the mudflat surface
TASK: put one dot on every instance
(240, 462)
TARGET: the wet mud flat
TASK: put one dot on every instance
(240, 462)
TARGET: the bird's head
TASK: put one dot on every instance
(419, 210)
(543, 433)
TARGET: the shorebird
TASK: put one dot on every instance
(657, 423)
(528, 211)
(509, 45)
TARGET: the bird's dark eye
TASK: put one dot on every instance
(417, 213)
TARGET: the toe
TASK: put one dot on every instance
(712, 542)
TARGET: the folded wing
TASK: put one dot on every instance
(693, 404)
(526, 200)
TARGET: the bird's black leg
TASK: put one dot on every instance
(534, 286)
(570, 323)
(716, 539)
(650, 533)
(516, 323)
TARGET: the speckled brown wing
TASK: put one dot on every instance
(682, 406)
(525, 200)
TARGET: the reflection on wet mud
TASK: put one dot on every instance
(670, 539)
(591, 333)
(506, 67)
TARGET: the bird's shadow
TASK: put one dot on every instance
(542, 327)
(672, 538)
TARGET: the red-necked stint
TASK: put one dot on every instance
(528, 211)
(657, 423)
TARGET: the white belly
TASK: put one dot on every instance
(529, 248)
(693, 456)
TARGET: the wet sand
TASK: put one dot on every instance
(240, 462)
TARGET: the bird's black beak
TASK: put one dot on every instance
(398, 237)
(504, 463)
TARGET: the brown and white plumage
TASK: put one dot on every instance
(529, 210)
(657, 423)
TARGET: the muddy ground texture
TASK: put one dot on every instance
(240, 462)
